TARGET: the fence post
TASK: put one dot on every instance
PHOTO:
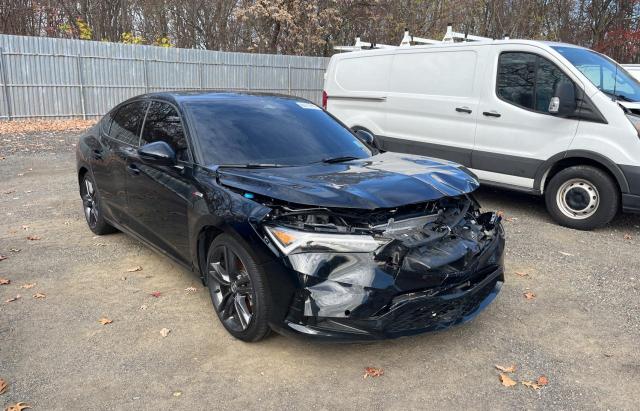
(289, 78)
(81, 83)
(5, 87)
(144, 73)
(248, 79)
(201, 74)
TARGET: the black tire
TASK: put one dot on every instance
(582, 197)
(257, 299)
(92, 207)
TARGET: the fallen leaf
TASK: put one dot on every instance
(177, 393)
(124, 278)
(17, 407)
(4, 281)
(3, 386)
(2, 257)
(191, 289)
(34, 238)
(565, 254)
(529, 295)
(156, 294)
(511, 368)
(25, 227)
(511, 219)
(39, 295)
(373, 372)
(628, 237)
(12, 299)
(164, 332)
(506, 380)
(143, 307)
(500, 213)
(530, 384)
(15, 250)
(134, 269)
(522, 274)
(100, 244)
(105, 321)
(28, 285)
(542, 380)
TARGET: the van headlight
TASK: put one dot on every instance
(295, 241)
(635, 120)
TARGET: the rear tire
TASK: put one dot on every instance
(582, 197)
(92, 206)
(239, 289)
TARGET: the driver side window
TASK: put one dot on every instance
(163, 124)
(528, 80)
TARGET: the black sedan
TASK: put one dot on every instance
(294, 222)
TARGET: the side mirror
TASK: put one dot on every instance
(367, 138)
(563, 103)
(158, 152)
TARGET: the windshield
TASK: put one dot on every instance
(604, 73)
(269, 130)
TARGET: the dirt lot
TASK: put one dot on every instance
(581, 330)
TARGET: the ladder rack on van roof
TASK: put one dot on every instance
(449, 37)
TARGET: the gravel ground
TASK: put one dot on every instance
(581, 330)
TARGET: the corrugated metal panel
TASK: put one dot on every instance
(60, 78)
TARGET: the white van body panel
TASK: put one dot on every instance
(432, 100)
(633, 69)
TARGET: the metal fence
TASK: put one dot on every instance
(60, 78)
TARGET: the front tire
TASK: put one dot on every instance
(238, 288)
(92, 206)
(582, 197)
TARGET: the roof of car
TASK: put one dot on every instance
(180, 96)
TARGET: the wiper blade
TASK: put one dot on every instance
(618, 96)
(339, 159)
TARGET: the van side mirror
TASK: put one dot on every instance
(563, 103)
(367, 138)
(158, 153)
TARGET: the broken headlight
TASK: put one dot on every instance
(295, 241)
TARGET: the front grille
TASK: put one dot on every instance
(416, 316)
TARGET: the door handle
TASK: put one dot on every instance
(464, 110)
(491, 114)
(97, 154)
(133, 169)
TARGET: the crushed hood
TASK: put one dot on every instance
(383, 181)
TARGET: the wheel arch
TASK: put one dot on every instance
(578, 157)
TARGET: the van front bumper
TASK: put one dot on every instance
(631, 200)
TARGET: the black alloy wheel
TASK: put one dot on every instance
(91, 207)
(237, 289)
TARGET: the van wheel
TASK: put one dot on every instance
(582, 197)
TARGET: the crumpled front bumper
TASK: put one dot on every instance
(356, 297)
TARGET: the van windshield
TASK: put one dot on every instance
(604, 73)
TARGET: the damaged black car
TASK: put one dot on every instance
(294, 222)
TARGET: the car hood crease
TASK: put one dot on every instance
(383, 181)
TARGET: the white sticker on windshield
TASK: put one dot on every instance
(307, 105)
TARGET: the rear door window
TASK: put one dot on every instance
(127, 122)
(528, 80)
(163, 124)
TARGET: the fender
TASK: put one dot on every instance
(611, 166)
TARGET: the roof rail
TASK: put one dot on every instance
(407, 40)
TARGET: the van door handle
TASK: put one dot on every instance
(133, 169)
(491, 114)
(464, 110)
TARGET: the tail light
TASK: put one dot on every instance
(325, 98)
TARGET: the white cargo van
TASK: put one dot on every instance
(548, 118)
(633, 69)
